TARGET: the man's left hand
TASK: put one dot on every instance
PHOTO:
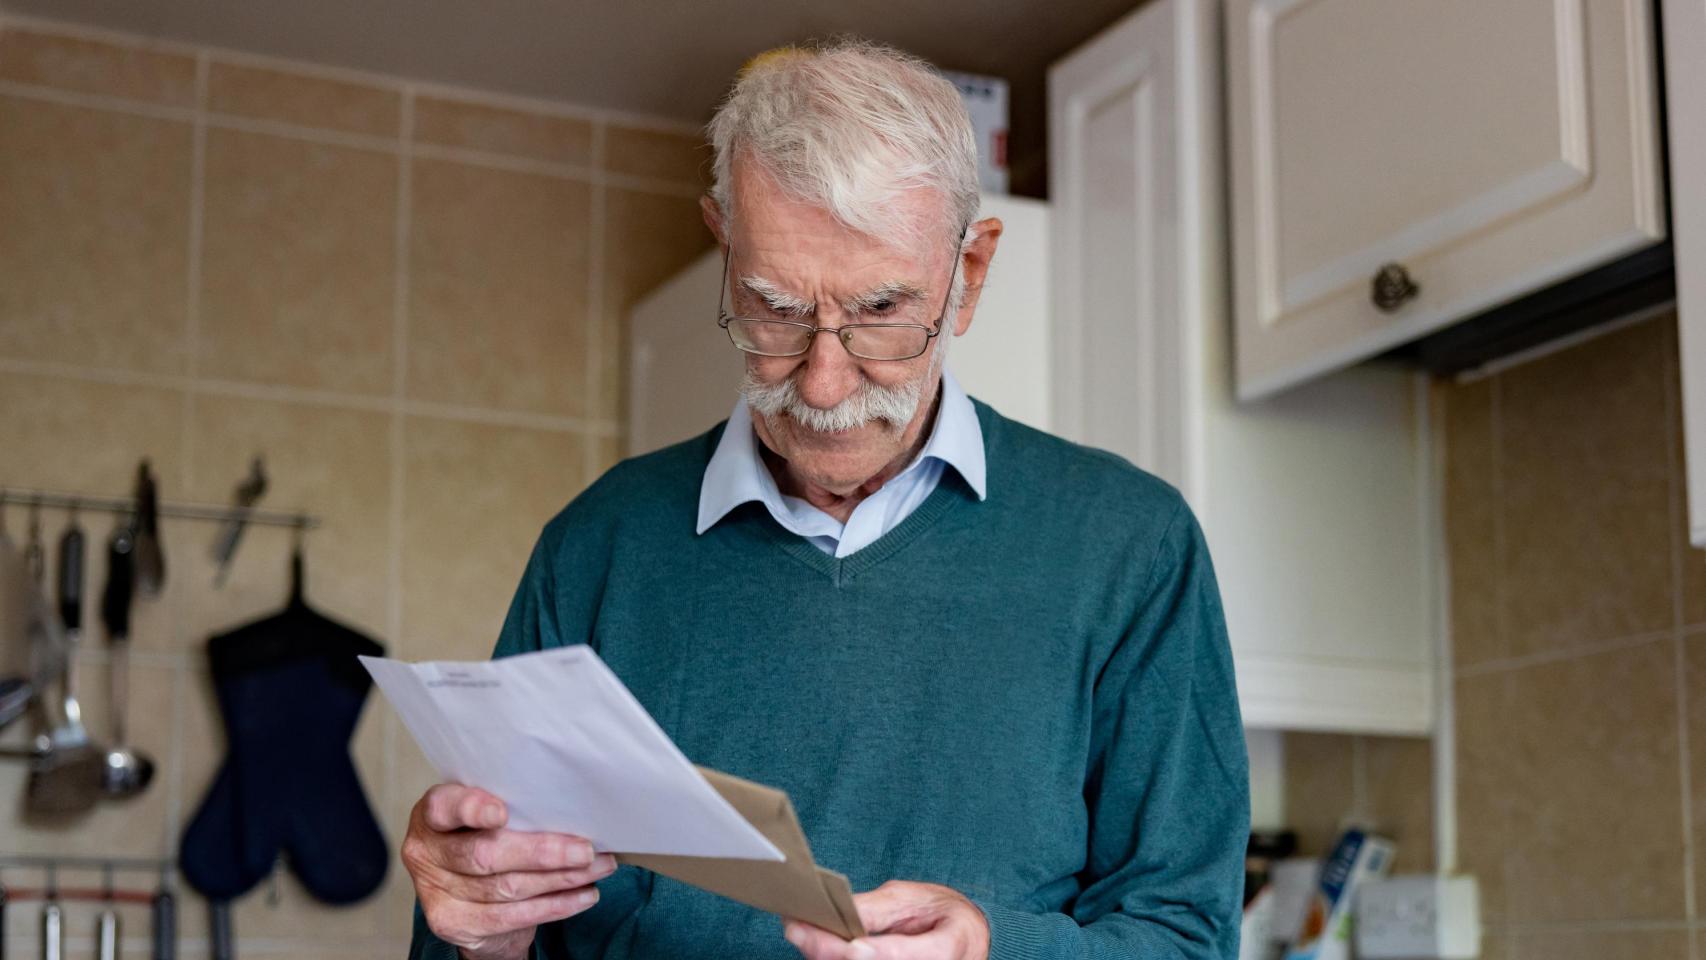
(906, 921)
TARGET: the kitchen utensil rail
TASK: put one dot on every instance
(108, 864)
(185, 511)
(80, 894)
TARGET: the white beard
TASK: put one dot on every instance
(894, 407)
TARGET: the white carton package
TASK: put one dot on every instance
(1255, 933)
(1357, 858)
(1293, 883)
(986, 103)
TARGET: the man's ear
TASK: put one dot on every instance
(974, 264)
(713, 219)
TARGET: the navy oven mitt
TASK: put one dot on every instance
(290, 691)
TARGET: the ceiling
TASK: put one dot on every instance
(670, 58)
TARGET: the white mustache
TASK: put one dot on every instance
(869, 403)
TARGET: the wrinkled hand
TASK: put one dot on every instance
(483, 888)
(905, 921)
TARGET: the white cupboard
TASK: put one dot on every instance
(1398, 167)
(1685, 63)
(1316, 505)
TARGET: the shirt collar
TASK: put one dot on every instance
(736, 473)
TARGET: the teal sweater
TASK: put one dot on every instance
(1029, 699)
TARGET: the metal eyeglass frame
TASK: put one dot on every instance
(724, 318)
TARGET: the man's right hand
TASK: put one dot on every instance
(483, 888)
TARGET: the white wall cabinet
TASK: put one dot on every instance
(1316, 505)
(1685, 64)
(1484, 149)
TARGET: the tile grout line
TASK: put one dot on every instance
(1442, 793)
(97, 101)
(474, 156)
(192, 268)
(401, 252)
(357, 141)
(594, 319)
(1495, 414)
(1577, 651)
(1676, 527)
(1501, 616)
(638, 184)
(1595, 926)
(1359, 781)
(177, 759)
(303, 395)
(182, 679)
(317, 136)
(399, 392)
(197, 224)
(306, 68)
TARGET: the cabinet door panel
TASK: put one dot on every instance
(1685, 61)
(1488, 146)
(1118, 325)
(1398, 180)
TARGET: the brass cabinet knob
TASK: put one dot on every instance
(1393, 287)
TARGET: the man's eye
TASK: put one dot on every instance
(882, 306)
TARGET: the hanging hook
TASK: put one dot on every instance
(35, 555)
(296, 574)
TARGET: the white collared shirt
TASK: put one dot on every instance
(737, 475)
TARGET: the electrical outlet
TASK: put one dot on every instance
(1419, 917)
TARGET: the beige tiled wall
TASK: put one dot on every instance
(1578, 615)
(1334, 781)
(407, 298)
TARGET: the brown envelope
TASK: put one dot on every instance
(796, 888)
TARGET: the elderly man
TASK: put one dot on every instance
(989, 666)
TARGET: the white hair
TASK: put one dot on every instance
(851, 126)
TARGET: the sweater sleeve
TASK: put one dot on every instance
(1167, 790)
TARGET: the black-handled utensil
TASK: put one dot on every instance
(243, 500)
(72, 555)
(150, 561)
(219, 929)
(165, 925)
(127, 771)
(73, 550)
(120, 588)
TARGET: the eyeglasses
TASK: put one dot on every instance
(867, 341)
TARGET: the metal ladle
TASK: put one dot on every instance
(127, 772)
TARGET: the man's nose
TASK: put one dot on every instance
(830, 374)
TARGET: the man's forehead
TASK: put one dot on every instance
(760, 206)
